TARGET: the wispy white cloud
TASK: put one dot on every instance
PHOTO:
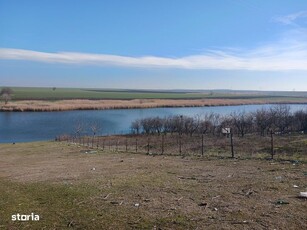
(277, 57)
(289, 53)
(291, 18)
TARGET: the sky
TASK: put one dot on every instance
(154, 44)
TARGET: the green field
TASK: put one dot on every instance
(35, 93)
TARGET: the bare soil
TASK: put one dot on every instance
(71, 186)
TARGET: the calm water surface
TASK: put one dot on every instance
(35, 126)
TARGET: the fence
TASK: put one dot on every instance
(287, 146)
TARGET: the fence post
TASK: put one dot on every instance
(97, 142)
(116, 146)
(148, 145)
(103, 145)
(180, 143)
(162, 150)
(126, 144)
(272, 145)
(136, 145)
(202, 144)
(231, 143)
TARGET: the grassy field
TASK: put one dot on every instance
(69, 188)
(62, 99)
(66, 93)
(24, 93)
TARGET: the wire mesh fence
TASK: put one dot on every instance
(289, 146)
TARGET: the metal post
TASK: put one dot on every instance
(231, 143)
(272, 145)
(126, 144)
(148, 145)
(136, 145)
(180, 143)
(202, 144)
(162, 150)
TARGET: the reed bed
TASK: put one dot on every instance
(64, 105)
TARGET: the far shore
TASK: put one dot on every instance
(66, 105)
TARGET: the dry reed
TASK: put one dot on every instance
(64, 105)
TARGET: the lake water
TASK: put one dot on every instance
(36, 126)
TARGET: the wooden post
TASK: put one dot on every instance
(102, 145)
(180, 143)
(202, 144)
(116, 146)
(162, 149)
(126, 144)
(148, 145)
(97, 142)
(272, 145)
(231, 143)
(136, 145)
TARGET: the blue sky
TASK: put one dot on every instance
(221, 44)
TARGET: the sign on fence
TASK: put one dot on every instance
(225, 130)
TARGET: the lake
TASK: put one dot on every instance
(37, 126)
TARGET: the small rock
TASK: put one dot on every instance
(303, 194)
(137, 205)
(281, 202)
(202, 204)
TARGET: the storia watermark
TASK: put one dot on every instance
(23, 217)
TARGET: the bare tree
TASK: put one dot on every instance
(209, 123)
(136, 126)
(78, 128)
(263, 120)
(146, 125)
(300, 121)
(95, 128)
(281, 117)
(6, 94)
(242, 122)
(190, 125)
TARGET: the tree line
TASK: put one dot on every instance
(278, 119)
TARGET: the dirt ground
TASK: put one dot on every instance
(73, 187)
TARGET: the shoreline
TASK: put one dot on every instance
(85, 104)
